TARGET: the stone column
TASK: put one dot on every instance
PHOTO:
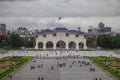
(85, 46)
(54, 46)
(36, 46)
(44, 45)
(67, 46)
(77, 45)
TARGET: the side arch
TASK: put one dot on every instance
(40, 45)
(72, 45)
(81, 45)
(49, 44)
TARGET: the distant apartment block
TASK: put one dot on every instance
(100, 29)
(2, 29)
(24, 32)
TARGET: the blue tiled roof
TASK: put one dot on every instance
(81, 33)
(72, 31)
(39, 32)
(60, 28)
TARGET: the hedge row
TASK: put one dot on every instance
(13, 68)
(107, 68)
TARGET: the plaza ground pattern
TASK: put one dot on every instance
(71, 71)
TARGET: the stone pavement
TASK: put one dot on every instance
(65, 73)
(75, 69)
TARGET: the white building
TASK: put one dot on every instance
(60, 38)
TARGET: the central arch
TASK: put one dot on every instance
(72, 45)
(81, 45)
(60, 45)
(49, 45)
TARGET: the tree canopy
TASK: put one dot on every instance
(15, 41)
(109, 42)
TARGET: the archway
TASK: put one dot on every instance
(81, 45)
(40, 45)
(72, 45)
(49, 44)
(60, 44)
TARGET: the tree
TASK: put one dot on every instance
(109, 42)
(91, 42)
(115, 41)
(3, 41)
(28, 42)
(15, 41)
(104, 41)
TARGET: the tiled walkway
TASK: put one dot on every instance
(72, 70)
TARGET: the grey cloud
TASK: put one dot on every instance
(13, 11)
(67, 1)
(14, 0)
(55, 8)
(69, 22)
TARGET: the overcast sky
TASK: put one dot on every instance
(41, 14)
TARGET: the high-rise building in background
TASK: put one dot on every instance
(24, 32)
(101, 25)
(2, 29)
(100, 29)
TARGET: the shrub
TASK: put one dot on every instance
(113, 71)
(14, 67)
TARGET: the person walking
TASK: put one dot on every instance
(38, 78)
(100, 78)
(42, 78)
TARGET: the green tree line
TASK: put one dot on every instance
(109, 42)
(14, 41)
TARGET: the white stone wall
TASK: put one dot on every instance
(60, 36)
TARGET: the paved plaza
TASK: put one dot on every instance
(74, 68)
(71, 71)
